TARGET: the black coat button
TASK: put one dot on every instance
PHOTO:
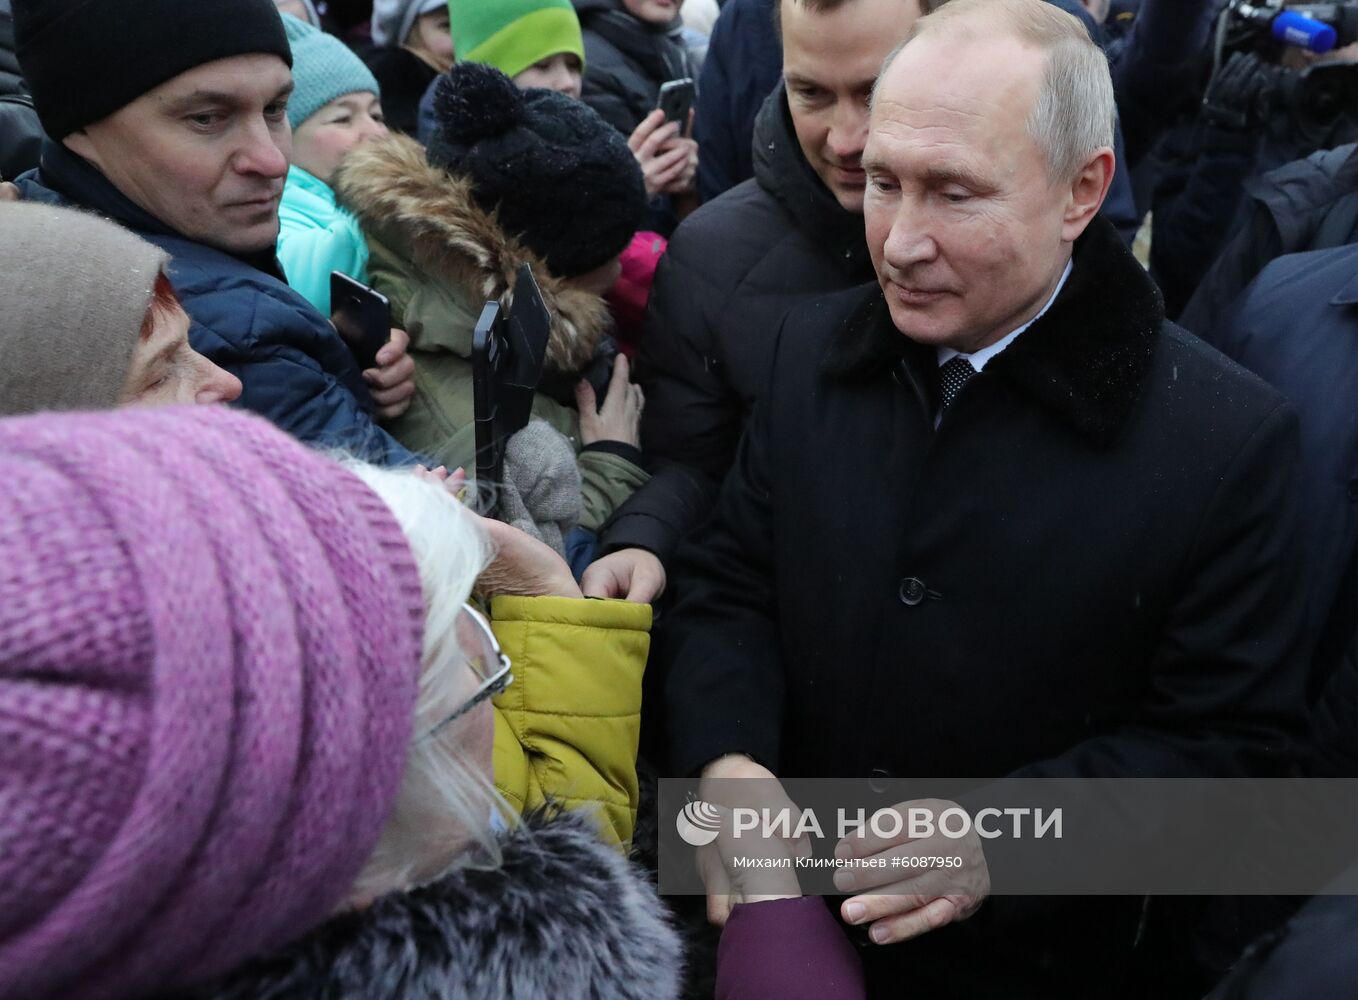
(879, 780)
(913, 591)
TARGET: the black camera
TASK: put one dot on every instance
(1315, 100)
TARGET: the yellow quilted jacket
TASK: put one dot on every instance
(567, 728)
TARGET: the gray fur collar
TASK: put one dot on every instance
(565, 917)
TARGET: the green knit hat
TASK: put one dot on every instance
(512, 35)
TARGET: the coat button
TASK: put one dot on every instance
(879, 780)
(912, 591)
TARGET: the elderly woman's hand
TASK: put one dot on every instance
(523, 565)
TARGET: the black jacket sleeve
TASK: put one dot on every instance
(692, 421)
(719, 648)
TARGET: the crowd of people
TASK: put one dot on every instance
(931, 388)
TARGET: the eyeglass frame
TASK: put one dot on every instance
(495, 684)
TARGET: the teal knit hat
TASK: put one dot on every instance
(513, 35)
(323, 68)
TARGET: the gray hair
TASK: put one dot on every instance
(442, 788)
(1076, 112)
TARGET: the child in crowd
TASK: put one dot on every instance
(335, 106)
(538, 43)
(411, 46)
(510, 177)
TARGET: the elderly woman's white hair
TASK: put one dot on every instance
(444, 787)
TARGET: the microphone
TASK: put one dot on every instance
(1295, 28)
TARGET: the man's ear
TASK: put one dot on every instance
(1087, 193)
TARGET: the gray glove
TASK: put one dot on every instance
(540, 494)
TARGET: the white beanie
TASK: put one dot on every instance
(393, 19)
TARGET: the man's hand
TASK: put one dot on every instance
(724, 889)
(902, 903)
(662, 153)
(523, 565)
(629, 574)
(8, 191)
(392, 382)
(619, 419)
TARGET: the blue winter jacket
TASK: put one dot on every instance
(295, 369)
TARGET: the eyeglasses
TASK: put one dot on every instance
(482, 654)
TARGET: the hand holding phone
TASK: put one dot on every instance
(676, 101)
(362, 317)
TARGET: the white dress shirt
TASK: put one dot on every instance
(983, 357)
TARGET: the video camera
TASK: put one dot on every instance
(1269, 27)
(1314, 95)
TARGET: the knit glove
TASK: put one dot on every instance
(540, 493)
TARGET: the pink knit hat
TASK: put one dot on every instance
(209, 655)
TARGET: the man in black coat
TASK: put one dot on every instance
(737, 265)
(995, 516)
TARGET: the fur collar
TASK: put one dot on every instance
(1087, 359)
(565, 916)
(431, 216)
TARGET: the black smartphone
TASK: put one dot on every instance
(509, 349)
(676, 100)
(362, 317)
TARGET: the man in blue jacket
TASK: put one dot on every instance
(179, 132)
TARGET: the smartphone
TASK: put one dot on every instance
(509, 350)
(676, 100)
(362, 317)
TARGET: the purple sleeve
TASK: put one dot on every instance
(787, 948)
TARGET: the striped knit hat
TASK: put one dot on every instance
(209, 655)
(512, 35)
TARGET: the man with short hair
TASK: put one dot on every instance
(994, 516)
(170, 118)
(738, 264)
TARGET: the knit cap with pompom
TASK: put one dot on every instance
(558, 177)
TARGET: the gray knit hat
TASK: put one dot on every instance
(76, 289)
(394, 19)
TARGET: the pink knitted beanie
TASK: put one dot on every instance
(209, 655)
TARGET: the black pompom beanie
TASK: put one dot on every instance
(85, 59)
(558, 176)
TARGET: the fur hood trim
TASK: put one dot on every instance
(565, 916)
(395, 192)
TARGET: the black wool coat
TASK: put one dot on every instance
(733, 270)
(1089, 568)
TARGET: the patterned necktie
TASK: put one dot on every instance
(952, 376)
